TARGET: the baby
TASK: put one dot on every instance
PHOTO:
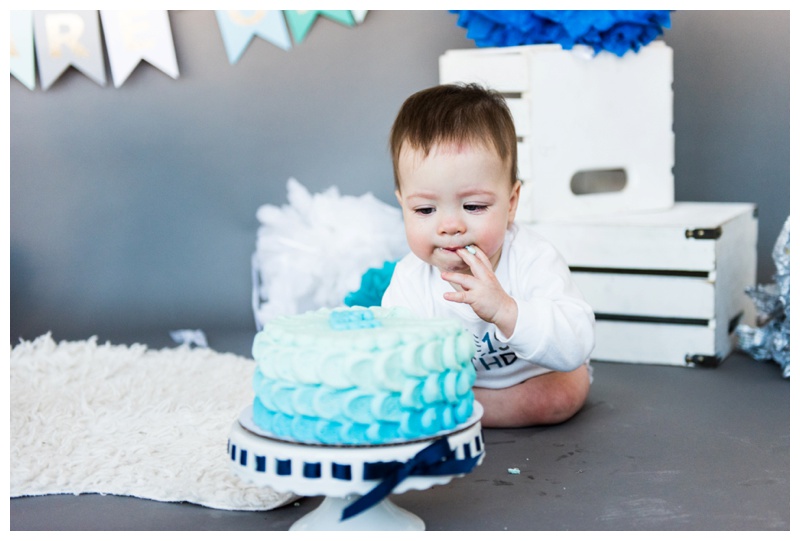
(454, 150)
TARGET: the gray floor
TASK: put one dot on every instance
(655, 448)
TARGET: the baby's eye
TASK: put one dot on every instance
(475, 207)
(424, 210)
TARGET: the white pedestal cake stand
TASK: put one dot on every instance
(338, 472)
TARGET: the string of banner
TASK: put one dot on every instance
(60, 39)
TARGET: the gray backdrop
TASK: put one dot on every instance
(133, 209)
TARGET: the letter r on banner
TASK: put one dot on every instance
(64, 30)
(68, 38)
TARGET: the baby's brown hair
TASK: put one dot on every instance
(455, 114)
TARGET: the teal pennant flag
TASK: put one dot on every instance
(239, 27)
(65, 38)
(23, 65)
(300, 21)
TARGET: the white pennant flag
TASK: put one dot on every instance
(133, 36)
(68, 38)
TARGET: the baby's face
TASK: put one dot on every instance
(454, 197)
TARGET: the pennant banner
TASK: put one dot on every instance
(57, 40)
(23, 65)
(133, 36)
(300, 21)
(65, 38)
(239, 27)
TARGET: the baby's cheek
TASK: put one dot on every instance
(418, 242)
(489, 244)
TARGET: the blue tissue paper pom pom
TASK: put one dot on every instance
(617, 31)
(373, 285)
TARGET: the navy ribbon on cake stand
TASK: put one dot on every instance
(435, 459)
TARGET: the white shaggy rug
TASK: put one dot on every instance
(127, 420)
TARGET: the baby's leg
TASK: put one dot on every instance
(547, 399)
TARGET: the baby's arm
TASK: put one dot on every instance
(550, 325)
(482, 291)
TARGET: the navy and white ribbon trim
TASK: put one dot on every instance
(435, 459)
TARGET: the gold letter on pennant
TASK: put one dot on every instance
(133, 26)
(239, 18)
(65, 29)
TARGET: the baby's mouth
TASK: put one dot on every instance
(469, 247)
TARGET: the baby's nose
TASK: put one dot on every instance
(451, 225)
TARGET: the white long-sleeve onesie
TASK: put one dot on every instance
(555, 325)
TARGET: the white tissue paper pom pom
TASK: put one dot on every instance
(313, 251)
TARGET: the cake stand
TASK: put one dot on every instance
(344, 474)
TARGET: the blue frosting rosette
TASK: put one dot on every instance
(617, 31)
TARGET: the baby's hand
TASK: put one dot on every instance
(482, 291)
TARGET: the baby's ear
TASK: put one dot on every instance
(514, 202)
(399, 197)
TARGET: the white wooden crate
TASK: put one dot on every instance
(667, 287)
(578, 115)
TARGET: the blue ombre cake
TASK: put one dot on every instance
(356, 376)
